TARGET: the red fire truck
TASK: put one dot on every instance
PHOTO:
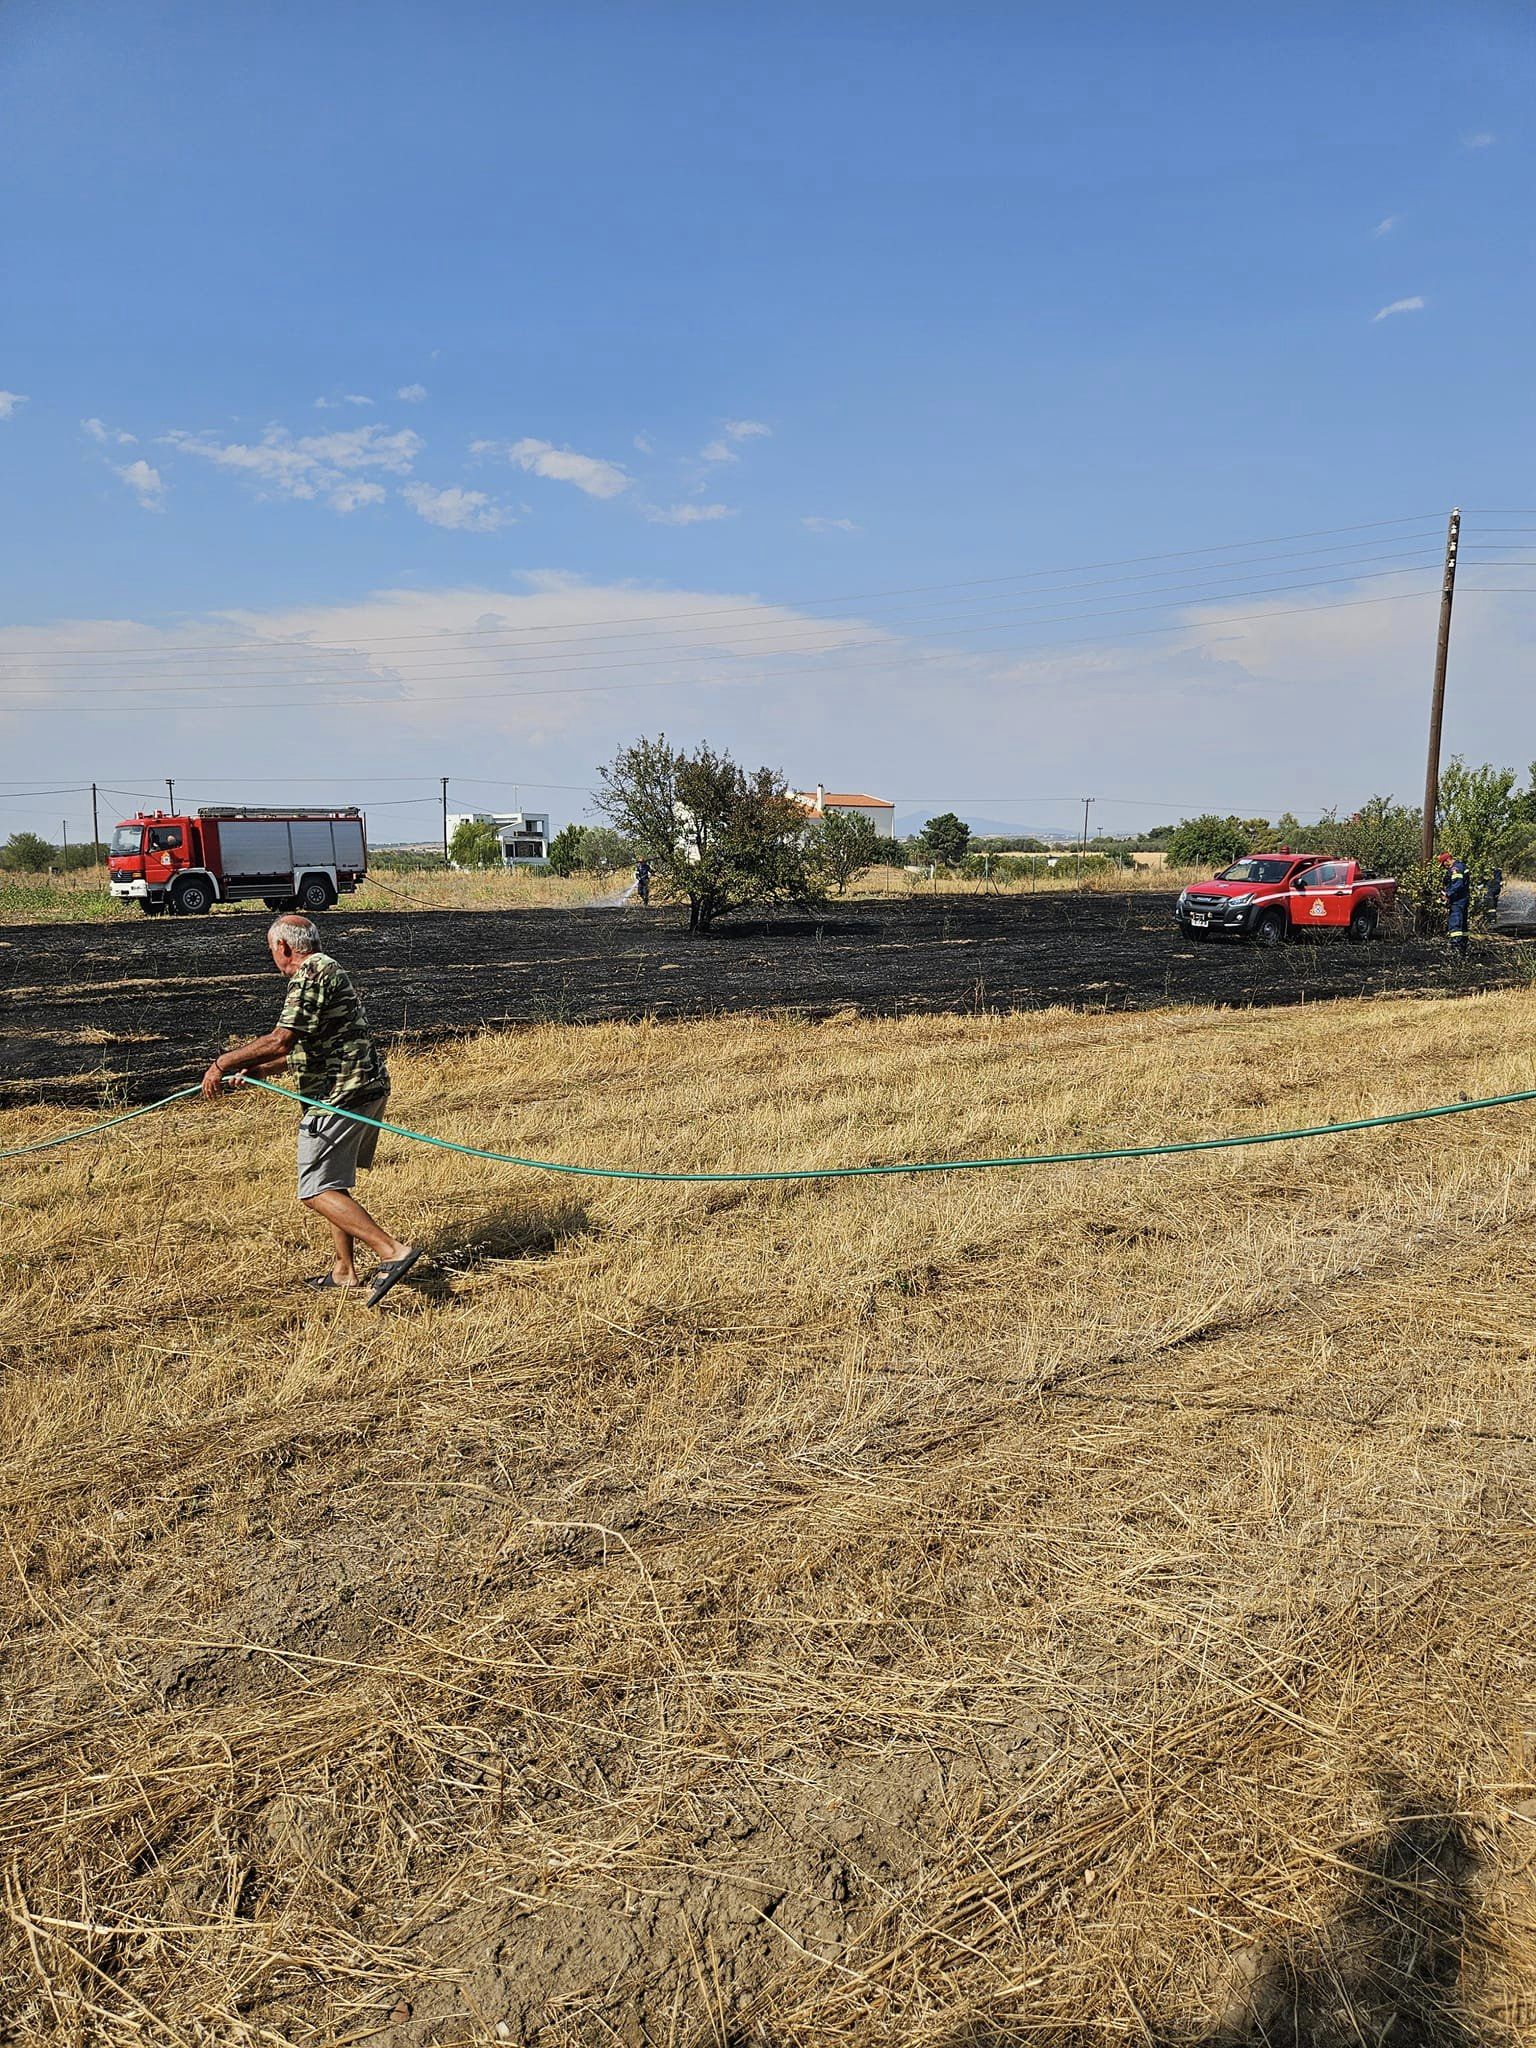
(290, 860)
(1268, 896)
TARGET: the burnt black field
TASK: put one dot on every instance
(128, 1011)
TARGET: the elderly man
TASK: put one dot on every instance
(323, 1044)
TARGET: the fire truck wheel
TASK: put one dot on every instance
(1362, 923)
(1269, 928)
(191, 897)
(314, 894)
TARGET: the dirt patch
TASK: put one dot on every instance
(167, 995)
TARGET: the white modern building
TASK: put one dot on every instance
(524, 835)
(821, 800)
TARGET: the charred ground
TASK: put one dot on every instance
(131, 1010)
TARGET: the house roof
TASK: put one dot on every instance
(833, 796)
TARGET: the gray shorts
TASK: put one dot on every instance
(333, 1150)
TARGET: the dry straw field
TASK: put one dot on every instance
(1086, 1606)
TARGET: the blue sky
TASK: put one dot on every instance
(675, 322)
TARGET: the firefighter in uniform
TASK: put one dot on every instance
(1458, 901)
(643, 880)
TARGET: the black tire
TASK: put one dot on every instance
(151, 909)
(1270, 927)
(1362, 923)
(315, 894)
(192, 897)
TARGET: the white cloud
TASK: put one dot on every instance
(9, 400)
(351, 497)
(687, 515)
(307, 465)
(460, 510)
(355, 398)
(645, 444)
(109, 437)
(413, 394)
(1483, 139)
(745, 430)
(589, 473)
(716, 451)
(819, 525)
(1386, 225)
(145, 482)
(1413, 305)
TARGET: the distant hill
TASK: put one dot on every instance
(987, 828)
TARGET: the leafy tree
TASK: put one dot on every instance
(1208, 841)
(1481, 818)
(26, 853)
(843, 846)
(603, 850)
(944, 840)
(84, 856)
(721, 836)
(566, 850)
(1381, 835)
(475, 846)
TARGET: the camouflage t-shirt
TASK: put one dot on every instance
(333, 1058)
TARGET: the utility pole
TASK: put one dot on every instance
(95, 827)
(1437, 698)
(1083, 854)
(170, 790)
(64, 854)
(446, 861)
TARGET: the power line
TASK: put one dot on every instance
(1041, 650)
(712, 612)
(713, 655)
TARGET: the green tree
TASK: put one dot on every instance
(1481, 818)
(842, 846)
(475, 846)
(722, 837)
(604, 851)
(1382, 834)
(26, 853)
(944, 840)
(566, 850)
(1208, 841)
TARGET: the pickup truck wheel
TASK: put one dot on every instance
(1269, 928)
(1362, 923)
(192, 897)
(314, 895)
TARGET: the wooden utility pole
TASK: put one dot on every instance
(1083, 855)
(446, 861)
(170, 790)
(95, 827)
(1437, 698)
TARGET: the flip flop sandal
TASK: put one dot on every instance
(389, 1273)
(323, 1281)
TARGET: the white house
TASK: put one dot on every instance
(524, 835)
(820, 801)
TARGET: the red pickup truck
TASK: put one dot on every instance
(1267, 896)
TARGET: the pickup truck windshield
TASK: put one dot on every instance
(1255, 871)
(128, 839)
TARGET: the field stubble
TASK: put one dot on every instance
(1075, 1607)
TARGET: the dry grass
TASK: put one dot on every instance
(1090, 1606)
(82, 897)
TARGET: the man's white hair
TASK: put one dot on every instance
(299, 934)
